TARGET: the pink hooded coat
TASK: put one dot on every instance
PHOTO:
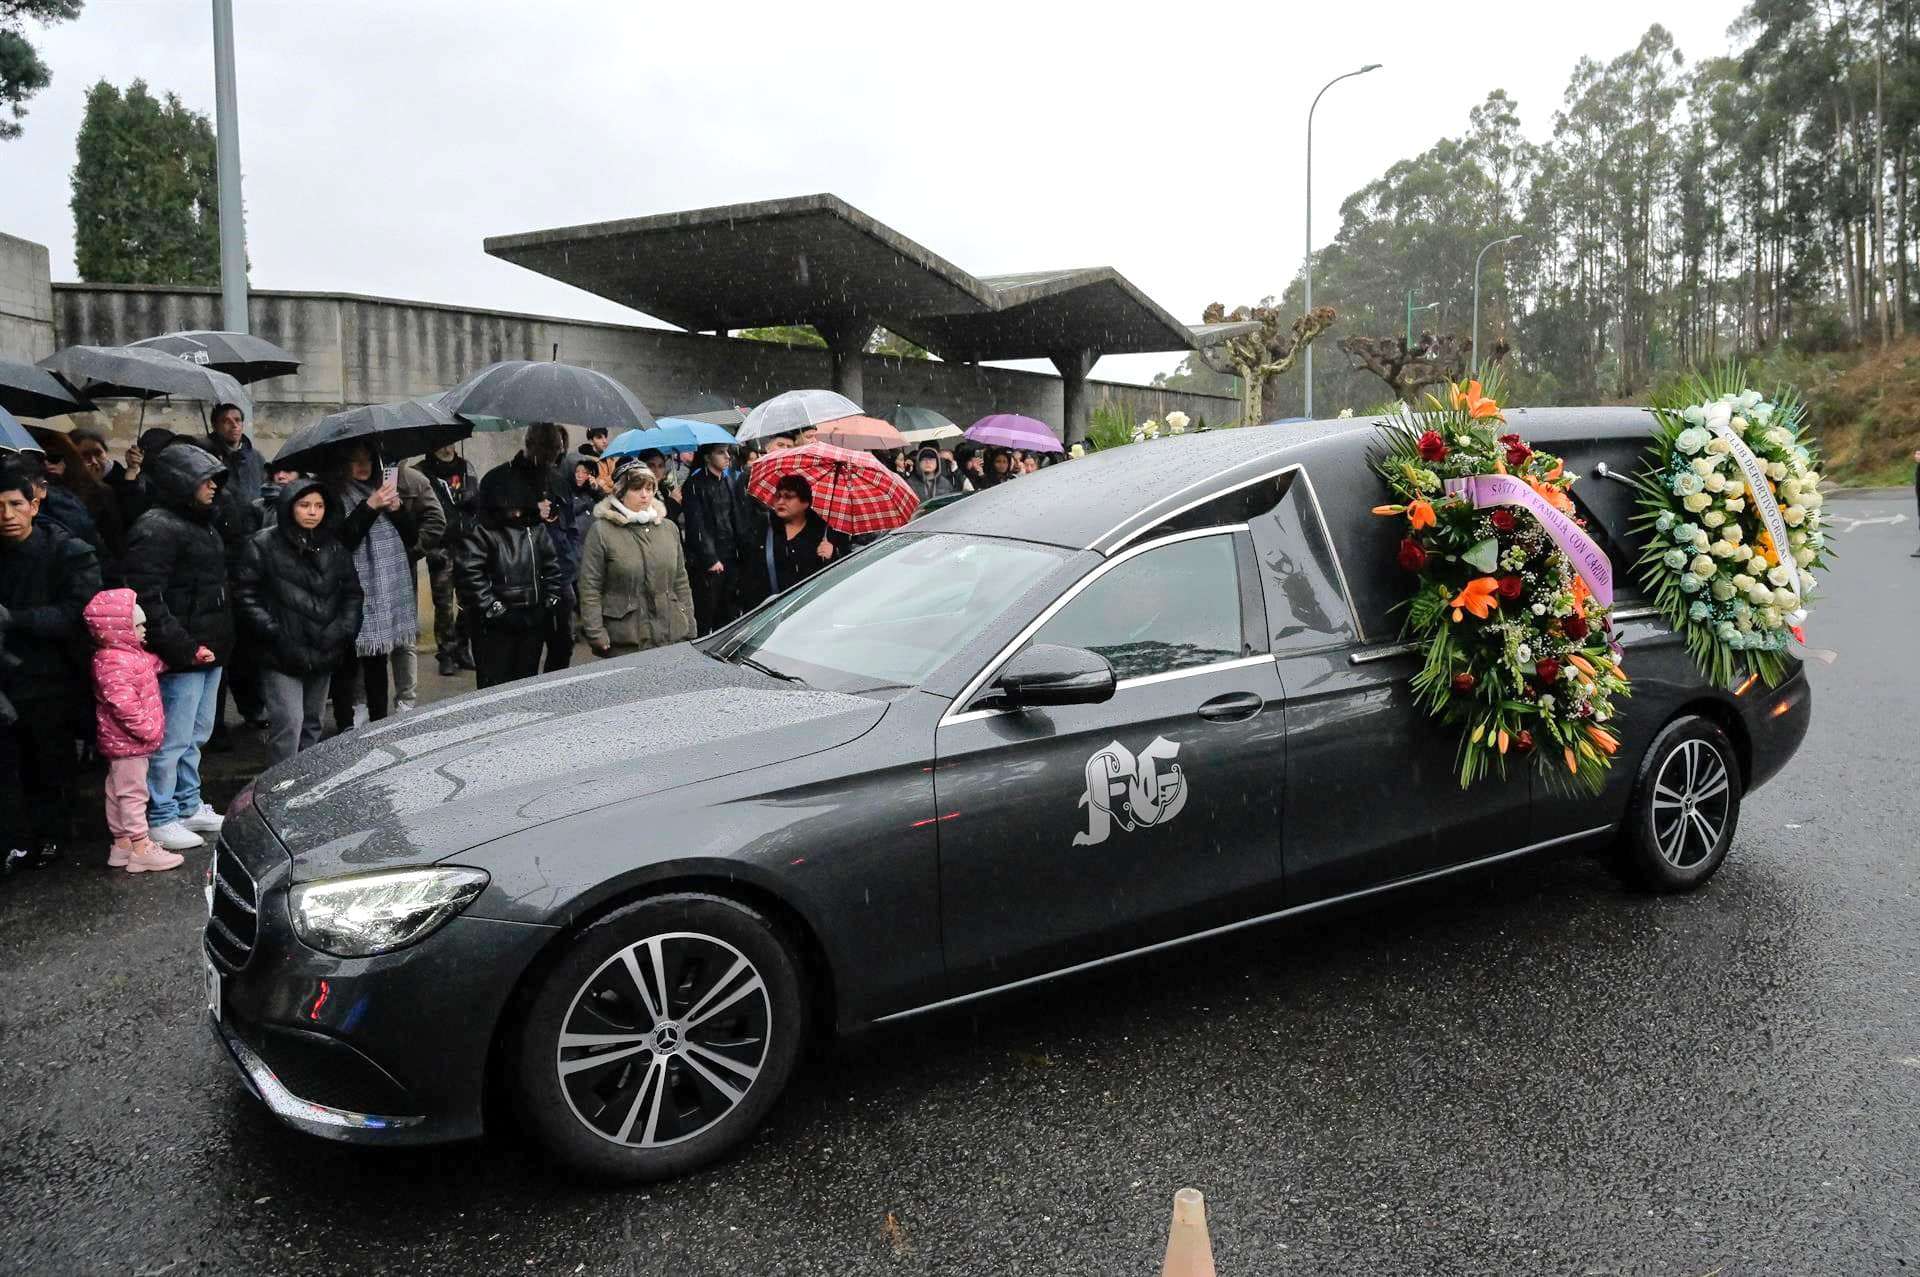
(126, 680)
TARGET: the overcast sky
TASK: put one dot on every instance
(383, 140)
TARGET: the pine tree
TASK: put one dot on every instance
(145, 191)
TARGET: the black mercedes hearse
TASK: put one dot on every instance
(1136, 701)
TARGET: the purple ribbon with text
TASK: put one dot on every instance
(1588, 559)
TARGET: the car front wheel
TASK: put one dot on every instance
(660, 1038)
(1685, 808)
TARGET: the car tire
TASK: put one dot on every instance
(1685, 808)
(694, 1002)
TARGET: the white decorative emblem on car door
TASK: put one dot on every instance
(1134, 793)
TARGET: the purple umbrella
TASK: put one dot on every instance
(1011, 430)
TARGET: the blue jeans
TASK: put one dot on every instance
(173, 774)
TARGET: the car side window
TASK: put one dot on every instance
(1307, 606)
(1170, 608)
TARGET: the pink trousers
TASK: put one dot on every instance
(127, 799)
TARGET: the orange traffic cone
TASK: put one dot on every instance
(1189, 1250)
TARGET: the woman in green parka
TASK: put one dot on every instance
(634, 592)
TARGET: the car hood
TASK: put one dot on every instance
(433, 783)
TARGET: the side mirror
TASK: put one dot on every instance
(1046, 674)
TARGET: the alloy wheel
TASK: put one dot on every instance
(1691, 797)
(664, 1039)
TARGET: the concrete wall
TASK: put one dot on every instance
(370, 349)
(26, 301)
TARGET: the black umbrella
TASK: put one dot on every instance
(409, 428)
(715, 410)
(521, 391)
(129, 372)
(241, 356)
(34, 392)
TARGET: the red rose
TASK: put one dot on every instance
(1412, 557)
(1524, 741)
(1548, 669)
(1511, 587)
(1576, 627)
(1463, 683)
(1432, 447)
(1517, 454)
(1503, 520)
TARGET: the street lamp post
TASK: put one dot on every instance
(1308, 265)
(1476, 298)
(233, 231)
(1412, 310)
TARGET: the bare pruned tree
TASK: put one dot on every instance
(1431, 361)
(1259, 357)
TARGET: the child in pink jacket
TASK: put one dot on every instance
(131, 723)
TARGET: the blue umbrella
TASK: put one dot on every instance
(671, 435)
(14, 436)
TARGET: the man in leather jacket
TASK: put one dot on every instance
(715, 531)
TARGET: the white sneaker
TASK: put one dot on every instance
(175, 836)
(204, 821)
(403, 707)
(360, 716)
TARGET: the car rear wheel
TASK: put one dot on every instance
(660, 1038)
(1685, 808)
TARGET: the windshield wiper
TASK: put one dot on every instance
(768, 670)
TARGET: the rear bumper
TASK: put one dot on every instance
(1777, 722)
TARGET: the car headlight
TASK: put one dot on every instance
(377, 913)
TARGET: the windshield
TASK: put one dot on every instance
(892, 614)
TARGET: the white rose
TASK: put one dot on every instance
(1742, 582)
(1719, 413)
(1523, 653)
(1748, 400)
(1723, 549)
(1344, 413)
(1703, 466)
(1734, 505)
(1781, 575)
(1796, 538)
(1757, 565)
(1697, 502)
(1789, 490)
(1778, 438)
(1776, 471)
(1759, 594)
(1700, 537)
(1794, 515)
(1786, 600)
(1177, 419)
(1804, 556)
(1739, 424)
(1769, 619)
(1702, 565)
(1812, 499)
(1722, 589)
(1713, 518)
(1719, 447)
(1539, 609)
(1733, 533)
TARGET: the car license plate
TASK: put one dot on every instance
(213, 988)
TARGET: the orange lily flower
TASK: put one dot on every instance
(1481, 597)
(1573, 764)
(1559, 468)
(1389, 509)
(1475, 404)
(1579, 662)
(1552, 495)
(1420, 515)
(1603, 739)
(1580, 595)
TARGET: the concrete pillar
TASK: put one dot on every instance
(846, 342)
(1074, 366)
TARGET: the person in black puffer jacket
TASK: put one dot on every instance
(177, 564)
(509, 580)
(299, 598)
(46, 578)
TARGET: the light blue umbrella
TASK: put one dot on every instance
(671, 435)
(14, 436)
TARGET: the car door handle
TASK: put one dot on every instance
(1234, 707)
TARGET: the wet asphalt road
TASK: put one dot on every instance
(1531, 1071)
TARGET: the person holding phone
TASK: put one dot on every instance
(380, 534)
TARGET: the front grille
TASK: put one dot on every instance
(233, 919)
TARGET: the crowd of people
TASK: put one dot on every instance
(139, 597)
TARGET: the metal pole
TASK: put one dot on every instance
(1307, 261)
(233, 230)
(1475, 365)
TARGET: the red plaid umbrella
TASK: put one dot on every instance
(852, 491)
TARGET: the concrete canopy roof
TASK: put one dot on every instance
(815, 259)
